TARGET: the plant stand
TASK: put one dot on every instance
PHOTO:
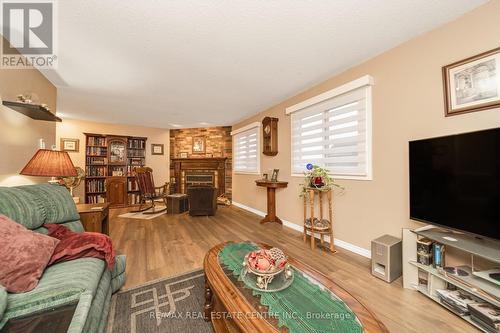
(322, 231)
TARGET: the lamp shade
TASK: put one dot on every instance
(50, 163)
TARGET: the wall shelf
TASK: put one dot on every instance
(482, 247)
(34, 111)
(470, 284)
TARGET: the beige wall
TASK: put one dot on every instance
(74, 129)
(407, 105)
(19, 135)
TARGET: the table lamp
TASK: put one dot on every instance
(50, 163)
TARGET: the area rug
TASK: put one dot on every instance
(169, 305)
(142, 216)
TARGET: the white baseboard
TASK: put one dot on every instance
(340, 243)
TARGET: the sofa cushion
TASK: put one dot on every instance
(22, 207)
(118, 273)
(75, 226)
(56, 201)
(24, 253)
(60, 284)
(3, 300)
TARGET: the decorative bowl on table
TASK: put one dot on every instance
(267, 270)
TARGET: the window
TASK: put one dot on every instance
(246, 145)
(333, 130)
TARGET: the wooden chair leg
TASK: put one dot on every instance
(141, 209)
(153, 210)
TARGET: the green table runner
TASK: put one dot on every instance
(302, 307)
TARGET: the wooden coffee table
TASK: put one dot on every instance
(224, 294)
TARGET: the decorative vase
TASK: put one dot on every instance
(317, 182)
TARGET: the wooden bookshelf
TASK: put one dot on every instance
(109, 163)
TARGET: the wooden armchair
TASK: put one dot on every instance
(148, 191)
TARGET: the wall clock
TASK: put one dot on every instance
(270, 136)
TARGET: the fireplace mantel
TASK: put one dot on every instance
(199, 159)
(214, 164)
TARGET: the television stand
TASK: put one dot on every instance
(428, 279)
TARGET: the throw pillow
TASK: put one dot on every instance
(24, 253)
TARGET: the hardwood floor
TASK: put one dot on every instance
(173, 244)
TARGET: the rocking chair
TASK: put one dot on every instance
(148, 191)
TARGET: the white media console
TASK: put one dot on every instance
(473, 250)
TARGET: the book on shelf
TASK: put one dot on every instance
(95, 185)
(94, 199)
(484, 325)
(132, 185)
(137, 143)
(134, 198)
(135, 161)
(119, 171)
(97, 151)
(97, 160)
(486, 313)
(96, 141)
(135, 153)
(458, 300)
(130, 169)
(95, 171)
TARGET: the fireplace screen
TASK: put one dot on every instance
(205, 179)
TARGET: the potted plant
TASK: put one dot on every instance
(317, 177)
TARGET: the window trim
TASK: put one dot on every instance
(248, 127)
(364, 81)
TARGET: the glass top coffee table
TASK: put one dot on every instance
(313, 302)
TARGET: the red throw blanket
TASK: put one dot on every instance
(74, 245)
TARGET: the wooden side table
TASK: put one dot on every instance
(177, 203)
(95, 217)
(271, 199)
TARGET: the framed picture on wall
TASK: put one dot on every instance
(157, 149)
(183, 155)
(199, 145)
(472, 84)
(70, 145)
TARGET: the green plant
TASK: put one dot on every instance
(313, 172)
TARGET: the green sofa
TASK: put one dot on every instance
(85, 281)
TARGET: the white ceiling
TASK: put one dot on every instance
(198, 63)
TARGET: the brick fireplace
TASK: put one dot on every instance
(214, 167)
(199, 171)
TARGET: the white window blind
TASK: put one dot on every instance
(335, 134)
(246, 151)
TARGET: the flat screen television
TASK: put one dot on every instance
(455, 182)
